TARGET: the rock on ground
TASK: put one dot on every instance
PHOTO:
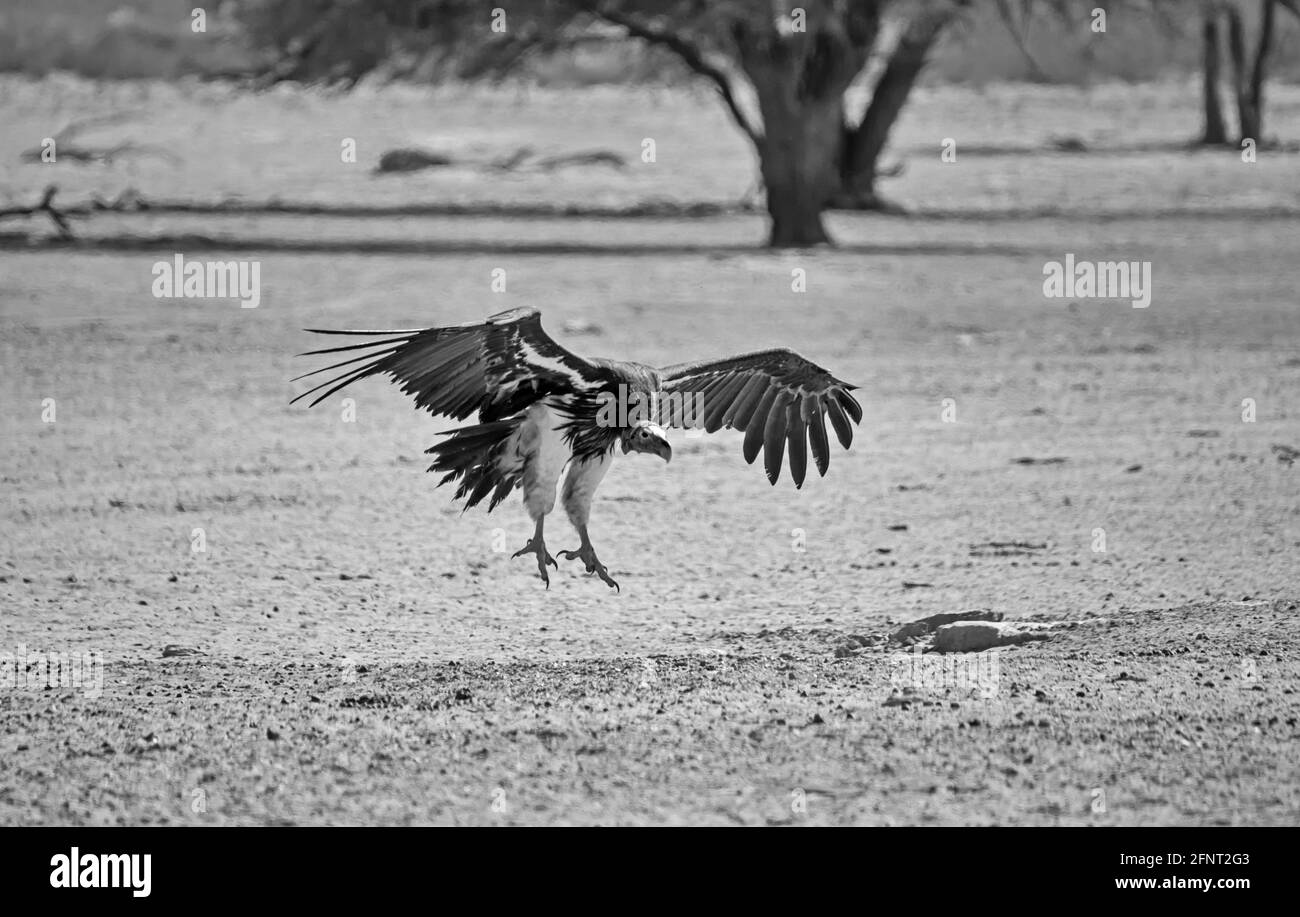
(975, 636)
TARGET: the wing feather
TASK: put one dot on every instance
(717, 405)
(347, 362)
(850, 405)
(710, 394)
(746, 403)
(346, 379)
(778, 399)
(495, 367)
(774, 434)
(754, 431)
(796, 436)
(821, 447)
(840, 423)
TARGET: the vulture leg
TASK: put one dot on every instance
(547, 452)
(537, 546)
(587, 554)
(580, 484)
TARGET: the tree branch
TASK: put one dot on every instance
(47, 207)
(1019, 35)
(867, 141)
(689, 53)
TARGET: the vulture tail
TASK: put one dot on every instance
(481, 458)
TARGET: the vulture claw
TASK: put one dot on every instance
(587, 554)
(537, 546)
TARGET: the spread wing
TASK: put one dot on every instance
(779, 399)
(496, 367)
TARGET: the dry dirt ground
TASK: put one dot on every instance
(367, 654)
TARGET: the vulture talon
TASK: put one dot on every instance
(587, 554)
(537, 546)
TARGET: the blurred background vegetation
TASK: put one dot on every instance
(127, 39)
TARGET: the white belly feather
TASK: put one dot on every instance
(542, 451)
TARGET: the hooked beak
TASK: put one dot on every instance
(649, 439)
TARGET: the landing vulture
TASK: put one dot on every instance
(543, 412)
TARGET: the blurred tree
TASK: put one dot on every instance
(1216, 132)
(798, 59)
(1248, 68)
(1247, 71)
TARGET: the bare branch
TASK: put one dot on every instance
(47, 207)
(1019, 34)
(690, 54)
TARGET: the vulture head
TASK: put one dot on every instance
(644, 436)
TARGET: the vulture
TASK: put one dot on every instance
(544, 413)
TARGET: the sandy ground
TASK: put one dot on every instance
(368, 654)
(209, 142)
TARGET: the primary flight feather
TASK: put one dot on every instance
(544, 413)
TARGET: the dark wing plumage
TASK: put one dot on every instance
(776, 397)
(497, 367)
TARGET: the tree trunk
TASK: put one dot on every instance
(1256, 89)
(1215, 130)
(800, 157)
(800, 78)
(1247, 117)
(859, 164)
